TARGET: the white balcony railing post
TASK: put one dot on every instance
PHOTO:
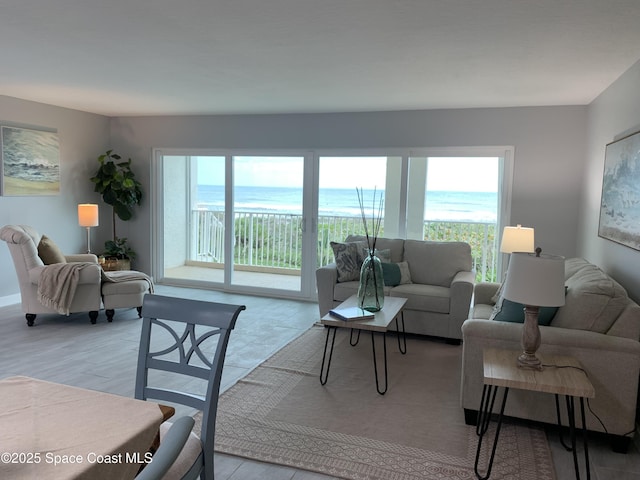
(267, 240)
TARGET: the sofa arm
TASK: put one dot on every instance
(461, 292)
(326, 278)
(612, 364)
(483, 293)
(82, 257)
(460, 301)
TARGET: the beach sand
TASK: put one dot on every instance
(17, 186)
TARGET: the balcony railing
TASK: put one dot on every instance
(274, 240)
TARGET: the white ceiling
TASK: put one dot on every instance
(168, 57)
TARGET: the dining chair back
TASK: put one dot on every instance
(183, 340)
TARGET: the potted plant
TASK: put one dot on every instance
(117, 184)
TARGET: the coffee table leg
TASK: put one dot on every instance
(404, 335)
(375, 363)
(324, 374)
(351, 342)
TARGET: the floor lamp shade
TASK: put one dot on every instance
(517, 239)
(88, 215)
(535, 281)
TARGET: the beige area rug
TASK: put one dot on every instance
(281, 414)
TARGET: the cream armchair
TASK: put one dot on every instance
(23, 242)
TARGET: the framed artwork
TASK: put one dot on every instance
(30, 162)
(620, 204)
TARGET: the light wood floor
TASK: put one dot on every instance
(103, 357)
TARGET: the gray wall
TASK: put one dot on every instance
(549, 160)
(82, 138)
(615, 113)
(549, 152)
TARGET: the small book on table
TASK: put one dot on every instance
(351, 313)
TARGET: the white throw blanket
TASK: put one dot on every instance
(125, 276)
(57, 285)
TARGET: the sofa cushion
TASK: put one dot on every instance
(348, 257)
(49, 252)
(572, 265)
(396, 245)
(436, 263)
(383, 255)
(344, 290)
(396, 273)
(482, 311)
(593, 301)
(426, 298)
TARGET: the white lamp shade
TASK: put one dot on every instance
(535, 281)
(517, 239)
(88, 215)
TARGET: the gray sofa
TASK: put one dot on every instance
(439, 290)
(599, 325)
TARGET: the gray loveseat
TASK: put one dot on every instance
(599, 325)
(437, 281)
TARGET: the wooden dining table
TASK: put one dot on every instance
(58, 432)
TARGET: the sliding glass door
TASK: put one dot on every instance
(268, 221)
(263, 222)
(235, 221)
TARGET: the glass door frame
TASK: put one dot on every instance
(307, 283)
(310, 200)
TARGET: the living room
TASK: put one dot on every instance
(557, 178)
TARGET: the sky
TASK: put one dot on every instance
(446, 174)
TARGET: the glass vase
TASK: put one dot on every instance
(371, 287)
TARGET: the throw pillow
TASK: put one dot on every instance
(49, 252)
(395, 274)
(348, 258)
(391, 274)
(405, 273)
(508, 311)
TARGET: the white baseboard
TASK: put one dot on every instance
(9, 300)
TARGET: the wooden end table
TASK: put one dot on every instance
(391, 311)
(561, 375)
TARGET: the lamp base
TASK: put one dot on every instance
(88, 239)
(530, 340)
(530, 361)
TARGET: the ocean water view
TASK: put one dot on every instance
(440, 205)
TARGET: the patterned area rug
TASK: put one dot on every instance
(281, 414)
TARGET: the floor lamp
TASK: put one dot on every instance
(88, 217)
(534, 280)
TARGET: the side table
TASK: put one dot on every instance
(561, 375)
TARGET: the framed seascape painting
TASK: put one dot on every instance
(620, 204)
(30, 162)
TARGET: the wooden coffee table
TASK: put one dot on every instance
(391, 311)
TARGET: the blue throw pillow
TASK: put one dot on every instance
(508, 311)
(391, 274)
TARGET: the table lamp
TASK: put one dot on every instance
(517, 239)
(88, 217)
(534, 280)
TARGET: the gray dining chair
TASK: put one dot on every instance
(183, 340)
(172, 444)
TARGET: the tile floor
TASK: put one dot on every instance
(70, 350)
